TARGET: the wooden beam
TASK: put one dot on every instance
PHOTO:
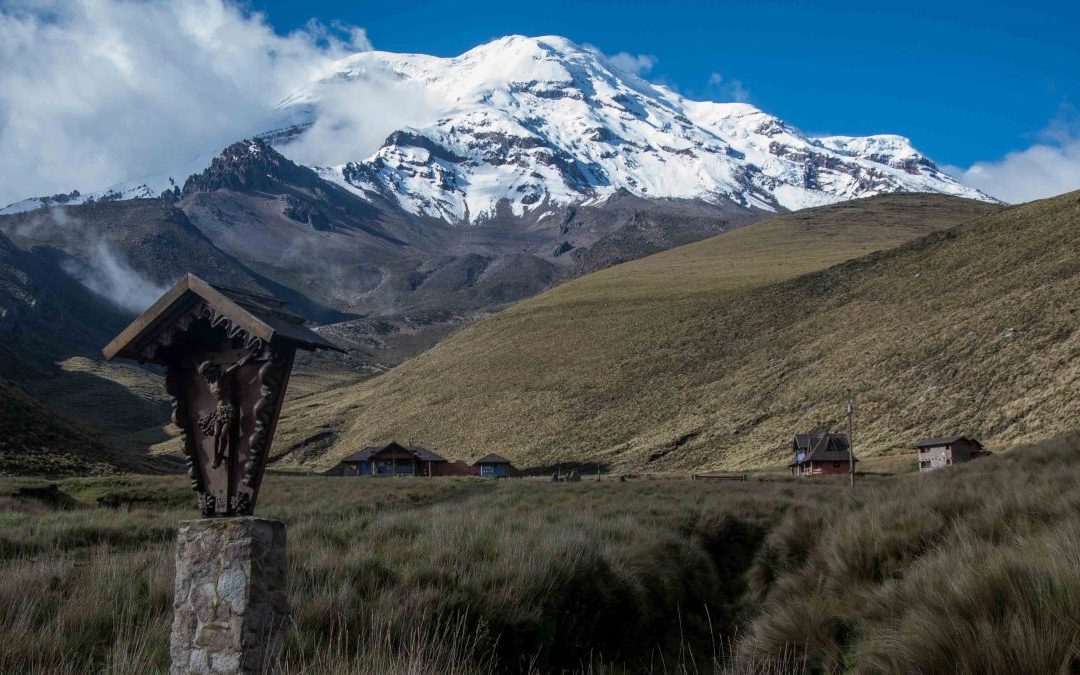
(127, 343)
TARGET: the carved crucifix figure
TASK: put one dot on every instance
(222, 422)
(226, 413)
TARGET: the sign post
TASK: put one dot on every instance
(227, 356)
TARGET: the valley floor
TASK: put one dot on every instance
(970, 569)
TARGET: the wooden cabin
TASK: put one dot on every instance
(493, 466)
(935, 453)
(820, 454)
(393, 459)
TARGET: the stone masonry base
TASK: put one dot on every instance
(230, 605)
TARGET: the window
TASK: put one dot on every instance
(836, 465)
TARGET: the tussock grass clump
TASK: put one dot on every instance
(972, 569)
(408, 575)
(553, 573)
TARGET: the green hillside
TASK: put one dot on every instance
(695, 357)
(36, 441)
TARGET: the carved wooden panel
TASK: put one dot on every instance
(227, 391)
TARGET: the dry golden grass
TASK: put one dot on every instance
(631, 361)
(970, 569)
(401, 575)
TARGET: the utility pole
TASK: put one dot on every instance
(850, 444)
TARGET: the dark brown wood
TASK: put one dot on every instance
(268, 324)
(227, 365)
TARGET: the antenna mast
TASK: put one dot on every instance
(850, 444)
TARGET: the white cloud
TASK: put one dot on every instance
(111, 277)
(100, 268)
(93, 92)
(729, 89)
(637, 64)
(1046, 169)
(356, 115)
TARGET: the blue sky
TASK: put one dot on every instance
(966, 81)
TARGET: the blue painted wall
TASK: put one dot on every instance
(494, 470)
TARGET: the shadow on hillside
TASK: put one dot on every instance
(100, 403)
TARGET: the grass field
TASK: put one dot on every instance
(675, 357)
(969, 569)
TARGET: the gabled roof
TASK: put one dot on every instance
(260, 316)
(947, 440)
(492, 459)
(422, 454)
(819, 447)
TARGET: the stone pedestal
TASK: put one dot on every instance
(230, 603)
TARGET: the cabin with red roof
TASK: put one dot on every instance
(820, 454)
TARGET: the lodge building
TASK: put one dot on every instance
(820, 454)
(395, 459)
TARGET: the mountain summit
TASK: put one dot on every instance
(535, 123)
(522, 127)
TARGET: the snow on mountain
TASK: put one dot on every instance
(530, 124)
(135, 189)
(539, 122)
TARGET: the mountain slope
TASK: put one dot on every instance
(609, 367)
(524, 162)
(45, 314)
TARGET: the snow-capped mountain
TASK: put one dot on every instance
(539, 122)
(141, 188)
(531, 124)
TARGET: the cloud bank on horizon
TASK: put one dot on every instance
(94, 92)
(1049, 167)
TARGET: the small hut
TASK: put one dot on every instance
(493, 466)
(938, 452)
(820, 454)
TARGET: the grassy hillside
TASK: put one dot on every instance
(36, 441)
(650, 358)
